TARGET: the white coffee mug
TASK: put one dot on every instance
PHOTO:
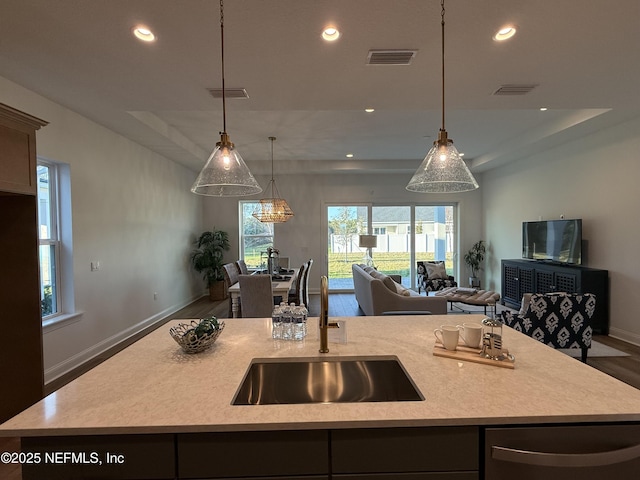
(471, 333)
(448, 336)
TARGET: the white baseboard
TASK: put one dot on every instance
(625, 336)
(79, 359)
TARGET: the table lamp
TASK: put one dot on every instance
(368, 242)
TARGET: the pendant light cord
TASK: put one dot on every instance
(442, 24)
(224, 106)
(272, 139)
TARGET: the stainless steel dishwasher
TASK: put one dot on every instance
(585, 452)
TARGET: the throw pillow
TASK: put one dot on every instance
(388, 281)
(436, 271)
(400, 290)
(524, 307)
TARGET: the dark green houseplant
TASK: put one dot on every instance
(474, 258)
(207, 259)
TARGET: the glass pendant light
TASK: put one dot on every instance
(273, 209)
(443, 170)
(225, 174)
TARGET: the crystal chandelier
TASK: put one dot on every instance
(443, 170)
(274, 209)
(225, 174)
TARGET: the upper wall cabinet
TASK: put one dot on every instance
(18, 151)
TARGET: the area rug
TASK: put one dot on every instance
(597, 350)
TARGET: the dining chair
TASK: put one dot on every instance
(305, 283)
(257, 296)
(300, 292)
(231, 277)
(242, 267)
(283, 262)
(295, 294)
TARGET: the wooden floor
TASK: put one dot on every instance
(626, 369)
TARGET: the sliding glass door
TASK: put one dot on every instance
(345, 224)
(434, 236)
(404, 235)
(392, 227)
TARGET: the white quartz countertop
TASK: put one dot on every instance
(152, 387)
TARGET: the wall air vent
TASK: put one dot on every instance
(390, 57)
(228, 92)
(515, 89)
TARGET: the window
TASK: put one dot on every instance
(255, 236)
(49, 237)
(344, 225)
(393, 252)
(56, 245)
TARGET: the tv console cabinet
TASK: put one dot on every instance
(527, 276)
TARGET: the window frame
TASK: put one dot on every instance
(244, 237)
(54, 238)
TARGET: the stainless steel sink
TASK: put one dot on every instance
(326, 380)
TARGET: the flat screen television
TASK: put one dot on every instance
(553, 241)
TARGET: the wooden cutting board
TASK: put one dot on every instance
(466, 354)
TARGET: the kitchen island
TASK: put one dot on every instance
(153, 404)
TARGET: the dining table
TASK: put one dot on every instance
(280, 285)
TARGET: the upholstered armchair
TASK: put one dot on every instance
(560, 320)
(432, 276)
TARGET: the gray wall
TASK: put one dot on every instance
(132, 211)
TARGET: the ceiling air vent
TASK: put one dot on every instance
(390, 57)
(515, 89)
(228, 92)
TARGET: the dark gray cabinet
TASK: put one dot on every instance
(281, 454)
(526, 452)
(411, 453)
(356, 454)
(96, 457)
(525, 276)
(517, 279)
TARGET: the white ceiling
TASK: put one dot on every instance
(584, 55)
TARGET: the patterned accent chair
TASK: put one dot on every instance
(432, 276)
(560, 320)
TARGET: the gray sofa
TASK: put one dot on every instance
(378, 293)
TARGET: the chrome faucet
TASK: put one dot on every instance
(325, 325)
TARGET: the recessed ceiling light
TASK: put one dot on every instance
(144, 34)
(349, 155)
(369, 110)
(543, 109)
(330, 34)
(505, 33)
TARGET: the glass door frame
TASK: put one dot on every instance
(413, 259)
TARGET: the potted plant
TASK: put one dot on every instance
(207, 259)
(474, 258)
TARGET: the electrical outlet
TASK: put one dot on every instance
(155, 295)
(95, 266)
